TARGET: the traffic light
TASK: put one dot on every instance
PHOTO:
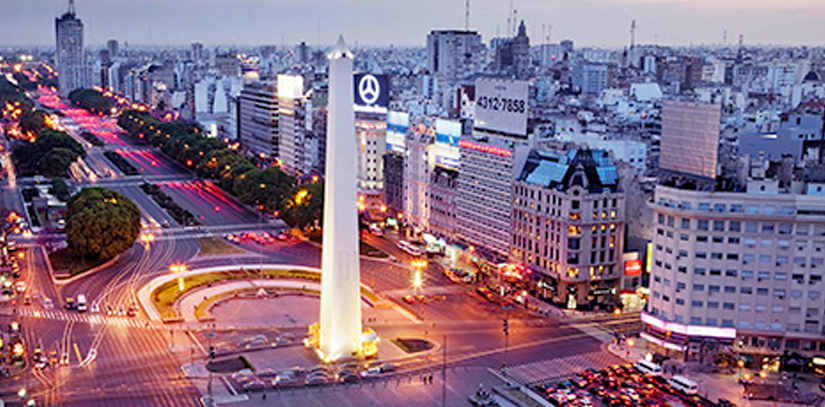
(211, 352)
(506, 327)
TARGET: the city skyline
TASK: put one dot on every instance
(255, 22)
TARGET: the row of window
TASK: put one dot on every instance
(732, 208)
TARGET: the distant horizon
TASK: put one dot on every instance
(589, 23)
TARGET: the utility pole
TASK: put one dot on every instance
(506, 330)
(444, 373)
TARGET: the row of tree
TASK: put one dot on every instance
(91, 100)
(270, 190)
(51, 154)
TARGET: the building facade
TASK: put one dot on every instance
(568, 225)
(738, 270)
(690, 138)
(454, 54)
(73, 73)
(258, 129)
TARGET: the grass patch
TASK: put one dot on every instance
(212, 246)
(230, 365)
(165, 296)
(412, 345)
(65, 261)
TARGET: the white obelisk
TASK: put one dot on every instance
(340, 326)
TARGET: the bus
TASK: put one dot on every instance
(648, 368)
(683, 384)
(409, 248)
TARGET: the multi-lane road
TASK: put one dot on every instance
(122, 361)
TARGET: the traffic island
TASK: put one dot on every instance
(413, 345)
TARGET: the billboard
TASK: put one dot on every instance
(372, 92)
(290, 86)
(397, 125)
(632, 267)
(501, 106)
(447, 135)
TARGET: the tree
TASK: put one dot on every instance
(33, 121)
(60, 189)
(304, 206)
(56, 162)
(100, 223)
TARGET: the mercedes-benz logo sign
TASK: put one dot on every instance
(369, 89)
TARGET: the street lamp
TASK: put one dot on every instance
(418, 282)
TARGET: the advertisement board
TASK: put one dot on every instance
(446, 150)
(290, 86)
(501, 106)
(397, 125)
(372, 92)
(632, 267)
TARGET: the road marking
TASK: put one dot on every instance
(77, 350)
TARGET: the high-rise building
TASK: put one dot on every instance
(568, 225)
(418, 165)
(291, 116)
(690, 138)
(737, 270)
(113, 48)
(197, 52)
(591, 78)
(258, 120)
(71, 59)
(488, 160)
(398, 123)
(454, 54)
(513, 55)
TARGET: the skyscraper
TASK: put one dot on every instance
(690, 138)
(71, 62)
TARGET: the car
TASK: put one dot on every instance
(371, 372)
(70, 303)
(20, 287)
(253, 385)
(131, 312)
(349, 378)
(48, 303)
(388, 367)
(64, 359)
(409, 299)
(166, 224)
(317, 380)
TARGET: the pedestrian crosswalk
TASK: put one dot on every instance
(550, 369)
(94, 319)
(434, 290)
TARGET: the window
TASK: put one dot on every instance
(730, 273)
(698, 287)
(746, 274)
(685, 223)
(733, 240)
(718, 226)
(713, 289)
(744, 307)
(768, 228)
(728, 306)
(713, 304)
(735, 226)
(730, 290)
(702, 224)
(697, 304)
(736, 208)
(761, 291)
(732, 256)
(699, 271)
(680, 301)
(746, 290)
(779, 293)
(695, 321)
(763, 275)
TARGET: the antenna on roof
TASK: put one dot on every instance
(632, 34)
(467, 15)
(71, 7)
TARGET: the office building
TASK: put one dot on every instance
(418, 165)
(591, 79)
(568, 225)
(738, 270)
(690, 138)
(70, 56)
(488, 160)
(113, 48)
(454, 54)
(258, 129)
(291, 124)
(512, 57)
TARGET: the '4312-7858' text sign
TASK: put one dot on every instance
(501, 106)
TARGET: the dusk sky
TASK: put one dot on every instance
(406, 22)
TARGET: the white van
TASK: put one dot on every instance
(648, 368)
(683, 384)
(81, 303)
